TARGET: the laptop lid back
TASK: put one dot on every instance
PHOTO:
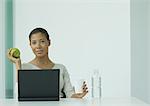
(41, 84)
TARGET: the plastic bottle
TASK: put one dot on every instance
(96, 84)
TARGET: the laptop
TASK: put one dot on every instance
(38, 85)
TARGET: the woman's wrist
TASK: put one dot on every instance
(75, 96)
(18, 64)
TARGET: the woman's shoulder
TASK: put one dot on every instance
(27, 66)
(59, 66)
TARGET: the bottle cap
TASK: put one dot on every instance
(96, 71)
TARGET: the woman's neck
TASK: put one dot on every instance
(42, 60)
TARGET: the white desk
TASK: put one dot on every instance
(77, 102)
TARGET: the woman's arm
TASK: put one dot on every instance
(68, 89)
(18, 64)
(16, 61)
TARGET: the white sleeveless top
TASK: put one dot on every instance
(65, 83)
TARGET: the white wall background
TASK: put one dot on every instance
(148, 12)
(140, 49)
(2, 49)
(86, 35)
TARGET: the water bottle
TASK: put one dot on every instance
(96, 84)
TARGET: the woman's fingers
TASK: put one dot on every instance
(84, 89)
(8, 53)
(83, 94)
(84, 84)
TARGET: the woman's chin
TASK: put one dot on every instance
(40, 55)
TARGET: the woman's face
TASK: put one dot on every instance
(39, 44)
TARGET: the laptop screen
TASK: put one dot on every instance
(41, 84)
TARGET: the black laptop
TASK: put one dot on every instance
(38, 85)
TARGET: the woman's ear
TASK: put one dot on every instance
(29, 42)
(49, 42)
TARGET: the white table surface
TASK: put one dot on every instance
(77, 102)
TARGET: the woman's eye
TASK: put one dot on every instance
(33, 42)
(43, 42)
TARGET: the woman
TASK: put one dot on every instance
(40, 42)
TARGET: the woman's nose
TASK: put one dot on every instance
(38, 45)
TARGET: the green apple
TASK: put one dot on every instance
(15, 52)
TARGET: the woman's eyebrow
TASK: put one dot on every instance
(36, 40)
(33, 40)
